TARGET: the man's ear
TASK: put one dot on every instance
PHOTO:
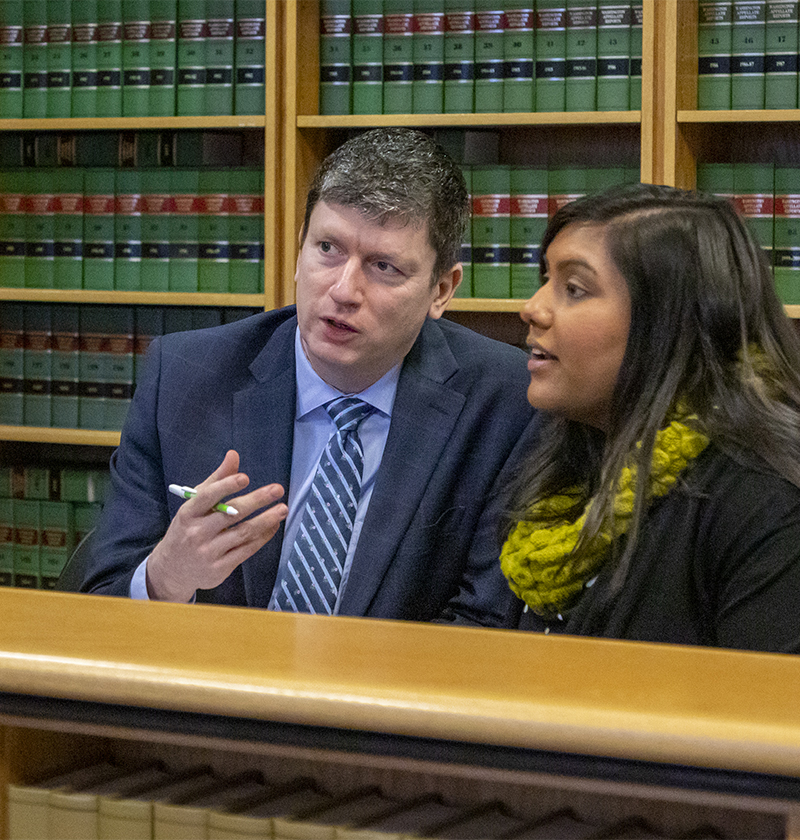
(449, 281)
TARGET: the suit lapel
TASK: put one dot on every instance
(263, 429)
(424, 414)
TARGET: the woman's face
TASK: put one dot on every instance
(578, 324)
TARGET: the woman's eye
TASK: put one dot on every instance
(575, 291)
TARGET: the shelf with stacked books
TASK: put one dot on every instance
(522, 156)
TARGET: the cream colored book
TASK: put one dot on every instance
(29, 805)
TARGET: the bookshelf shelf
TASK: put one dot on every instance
(130, 298)
(470, 120)
(131, 123)
(485, 305)
(717, 117)
(68, 437)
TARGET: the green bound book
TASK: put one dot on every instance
(565, 184)
(491, 232)
(518, 57)
(6, 541)
(528, 222)
(12, 363)
(613, 55)
(219, 57)
(39, 228)
(464, 290)
(190, 58)
(335, 57)
(119, 360)
(109, 58)
(637, 23)
(37, 364)
(748, 43)
(786, 257)
(213, 273)
(428, 57)
(84, 58)
(57, 535)
(98, 228)
(59, 59)
(136, 34)
(489, 45)
(156, 210)
(148, 324)
(459, 56)
(12, 228)
(163, 57)
(27, 539)
(250, 58)
(128, 230)
(550, 44)
(68, 228)
(246, 225)
(11, 53)
(184, 230)
(34, 103)
(714, 55)
(367, 56)
(781, 54)
(93, 367)
(398, 56)
(85, 518)
(581, 55)
(754, 193)
(65, 366)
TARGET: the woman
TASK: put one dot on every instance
(662, 502)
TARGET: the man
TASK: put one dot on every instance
(241, 412)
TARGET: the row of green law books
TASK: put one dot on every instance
(106, 801)
(169, 229)
(768, 198)
(69, 366)
(510, 209)
(479, 56)
(748, 54)
(132, 58)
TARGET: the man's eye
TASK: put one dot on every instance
(325, 247)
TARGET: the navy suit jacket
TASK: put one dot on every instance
(460, 408)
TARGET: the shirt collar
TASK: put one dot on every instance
(313, 392)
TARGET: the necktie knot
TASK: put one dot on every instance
(348, 412)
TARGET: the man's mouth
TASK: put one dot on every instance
(339, 325)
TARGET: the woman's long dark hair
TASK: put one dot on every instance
(707, 329)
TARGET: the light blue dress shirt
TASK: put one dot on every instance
(312, 429)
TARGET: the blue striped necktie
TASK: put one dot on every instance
(311, 579)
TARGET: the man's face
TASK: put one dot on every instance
(363, 293)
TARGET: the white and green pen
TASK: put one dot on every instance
(189, 492)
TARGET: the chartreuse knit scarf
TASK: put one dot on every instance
(535, 557)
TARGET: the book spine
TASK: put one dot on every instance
(128, 230)
(68, 228)
(787, 235)
(581, 54)
(34, 103)
(65, 367)
(250, 57)
(459, 56)
(148, 324)
(781, 54)
(613, 55)
(92, 367)
(184, 235)
(98, 228)
(27, 538)
(156, 209)
(491, 232)
(748, 42)
(213, 207)
(489, 35)
(335, 58)
(37, 365)
(136, 71)
(246, 220)
(564, 184)
(398, 57)
(528, 222)
(714, 55)
(191, 50)
(367, 56)
(6, 541)
(550, 43)
(428, 57)
(109, 58)
(163, 57)
(637, 24)
(12, 228)
(518, 55)
(84, 58)
(11, 58)
(119, 361)
(219, 48)
(12, 359)
(754, 192)
(57, 536)
(39, 228)
(59, 59)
